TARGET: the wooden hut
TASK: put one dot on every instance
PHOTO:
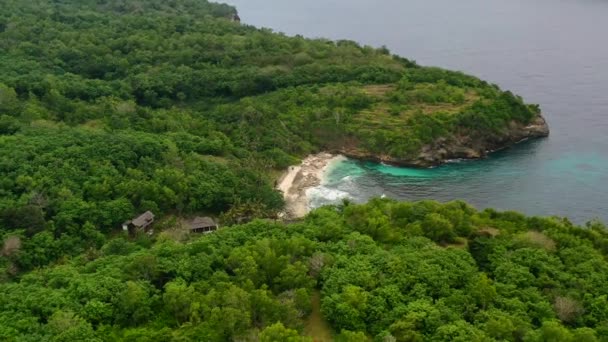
(140, 223)
(203, 225)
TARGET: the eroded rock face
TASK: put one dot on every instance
(538, 128)
(462, 147)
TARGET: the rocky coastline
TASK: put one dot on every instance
(463, 146)
(297, 180)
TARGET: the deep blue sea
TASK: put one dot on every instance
(551, 52)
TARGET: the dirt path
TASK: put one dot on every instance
(316, 326)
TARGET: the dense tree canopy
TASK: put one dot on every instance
(109, 108)
(502, 276)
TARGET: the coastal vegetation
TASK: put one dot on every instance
(384, 271)
(110, 108)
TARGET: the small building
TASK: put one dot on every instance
(203, 225)
(235, 18)
(142, 222)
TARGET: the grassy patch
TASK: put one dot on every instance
(394, 107)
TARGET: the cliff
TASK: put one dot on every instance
(466, 145)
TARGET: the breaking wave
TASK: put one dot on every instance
(322, 195)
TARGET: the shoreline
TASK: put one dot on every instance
(297, 180)
(468, 147)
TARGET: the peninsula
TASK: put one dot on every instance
(110, 109)
(141, 144)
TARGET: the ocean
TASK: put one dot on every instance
(551, 52)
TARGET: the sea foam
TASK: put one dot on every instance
(322, 195)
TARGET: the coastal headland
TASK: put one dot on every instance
(465, 145)
(299, 179)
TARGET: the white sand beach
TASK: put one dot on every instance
(298, 179)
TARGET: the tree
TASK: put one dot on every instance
(278, 333)
(482, 291)
(459, 331)
(66, 327)
(567, 309)
(134, 304)
(9, 103)
(8, 125)
(29, 217)
(351, 336)
(438, 228)
(348, 308)
(585, 335)
(179, 299)
(550, 331)
(294, 276)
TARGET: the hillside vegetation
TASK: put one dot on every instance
(387, 271)
(109, 108)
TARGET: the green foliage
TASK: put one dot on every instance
(438, 228)
(255, 281)
(278, 333)
(350, 336)
(65, 327)
(110, 108)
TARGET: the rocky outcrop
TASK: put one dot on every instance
(466, 145)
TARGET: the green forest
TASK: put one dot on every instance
(109, 108)
(385, 271)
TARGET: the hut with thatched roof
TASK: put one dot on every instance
(203, 225)
(141, 223)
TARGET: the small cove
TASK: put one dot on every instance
(551, 52)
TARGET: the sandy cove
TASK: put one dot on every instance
(298, 179)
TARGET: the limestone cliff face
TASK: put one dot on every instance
(467, 145)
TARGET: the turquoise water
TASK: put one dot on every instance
(513, 179)
(551, 52)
